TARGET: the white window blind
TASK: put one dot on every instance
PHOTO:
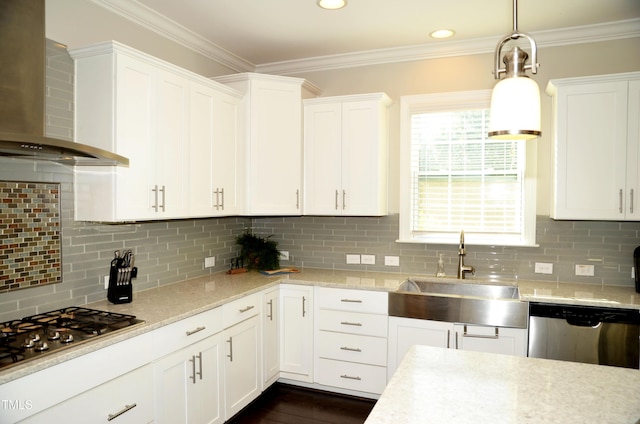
(461, 180)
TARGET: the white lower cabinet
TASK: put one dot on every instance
(351, 339)
(188, 384)
(127, 399)
(296, 332)
(406, 332)
(188, 370)
(270, 336)
(243, 353)
(481, 338)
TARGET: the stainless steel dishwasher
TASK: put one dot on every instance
(594, 335)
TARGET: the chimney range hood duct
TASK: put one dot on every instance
(22, 92)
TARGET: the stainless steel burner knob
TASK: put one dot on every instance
(41, 346)
(53, 335)
(34, 336)
(66, 338)
(28, 343)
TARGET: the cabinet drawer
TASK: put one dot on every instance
(353, 348)
(126, 399)
(353, 322)
(241, 309)
(187, 331)
(373, 302)
(347, 375)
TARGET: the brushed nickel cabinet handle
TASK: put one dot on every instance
(344, 199)
(351, 300)
(355, 324)
(163, 191)
(620, 208)
(304, 311)
(480, 336)
(248, 308)
(350, 377)
(193, 368)
(117, 414)
(337, 194)
(197, 329)
(155, 193)
(351, 349)
(270, 314)
(230, 355)
(222, 196)
(631, 202)
(199, 356)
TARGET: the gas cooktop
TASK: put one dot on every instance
(32, 337)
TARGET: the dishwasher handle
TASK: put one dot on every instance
(583, 321)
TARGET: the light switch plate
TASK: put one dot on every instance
(353, 259)
(210, 262)
(585, 270)
(543, 268)
(392, 260)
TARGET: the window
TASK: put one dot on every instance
(454, 178)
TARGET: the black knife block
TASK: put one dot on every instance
(120, 289)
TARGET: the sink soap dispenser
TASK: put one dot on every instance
(440, 272)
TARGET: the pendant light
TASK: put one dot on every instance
(515, 101)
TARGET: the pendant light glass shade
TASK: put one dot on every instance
(515, 101)
(515, 109)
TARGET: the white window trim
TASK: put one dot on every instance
(461, 100)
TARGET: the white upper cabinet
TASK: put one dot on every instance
(597, 154)
(346, 155)
(272, 134)
(173, 125)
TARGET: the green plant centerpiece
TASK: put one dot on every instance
(258, 252)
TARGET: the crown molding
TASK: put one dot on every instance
(566, 36)
(153, 21)
(147, 18)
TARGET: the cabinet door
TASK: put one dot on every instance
(406, 332)
(275, 148)
(364, 158)
(135, 103)
(189, 384)
(323, 193)
(591, 140)
(170, 147)
(296, 332)
(508, 341)
(243, 377)
(633, 153)
(270, 335)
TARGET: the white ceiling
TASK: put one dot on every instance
(267, 32)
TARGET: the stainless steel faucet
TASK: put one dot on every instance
(462, 268)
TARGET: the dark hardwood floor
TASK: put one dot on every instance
(285, 404)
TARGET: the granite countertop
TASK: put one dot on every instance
(173, 302)
(435, 385)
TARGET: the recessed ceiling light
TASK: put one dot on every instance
(332, 4)
(442, 33)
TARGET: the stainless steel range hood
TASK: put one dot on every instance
(22, 92)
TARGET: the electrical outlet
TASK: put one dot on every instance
(210, 262)
(353, 259)
(368, 259)
(392, 260)
(585, 270)
(284, 255)
(543, 268)
(106, 282)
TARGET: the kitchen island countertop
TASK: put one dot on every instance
(448, 386)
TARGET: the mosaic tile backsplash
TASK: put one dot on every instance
(30, 244)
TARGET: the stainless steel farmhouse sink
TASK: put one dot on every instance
(458, 302)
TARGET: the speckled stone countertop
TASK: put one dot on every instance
(170, 303)
(448, 386)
